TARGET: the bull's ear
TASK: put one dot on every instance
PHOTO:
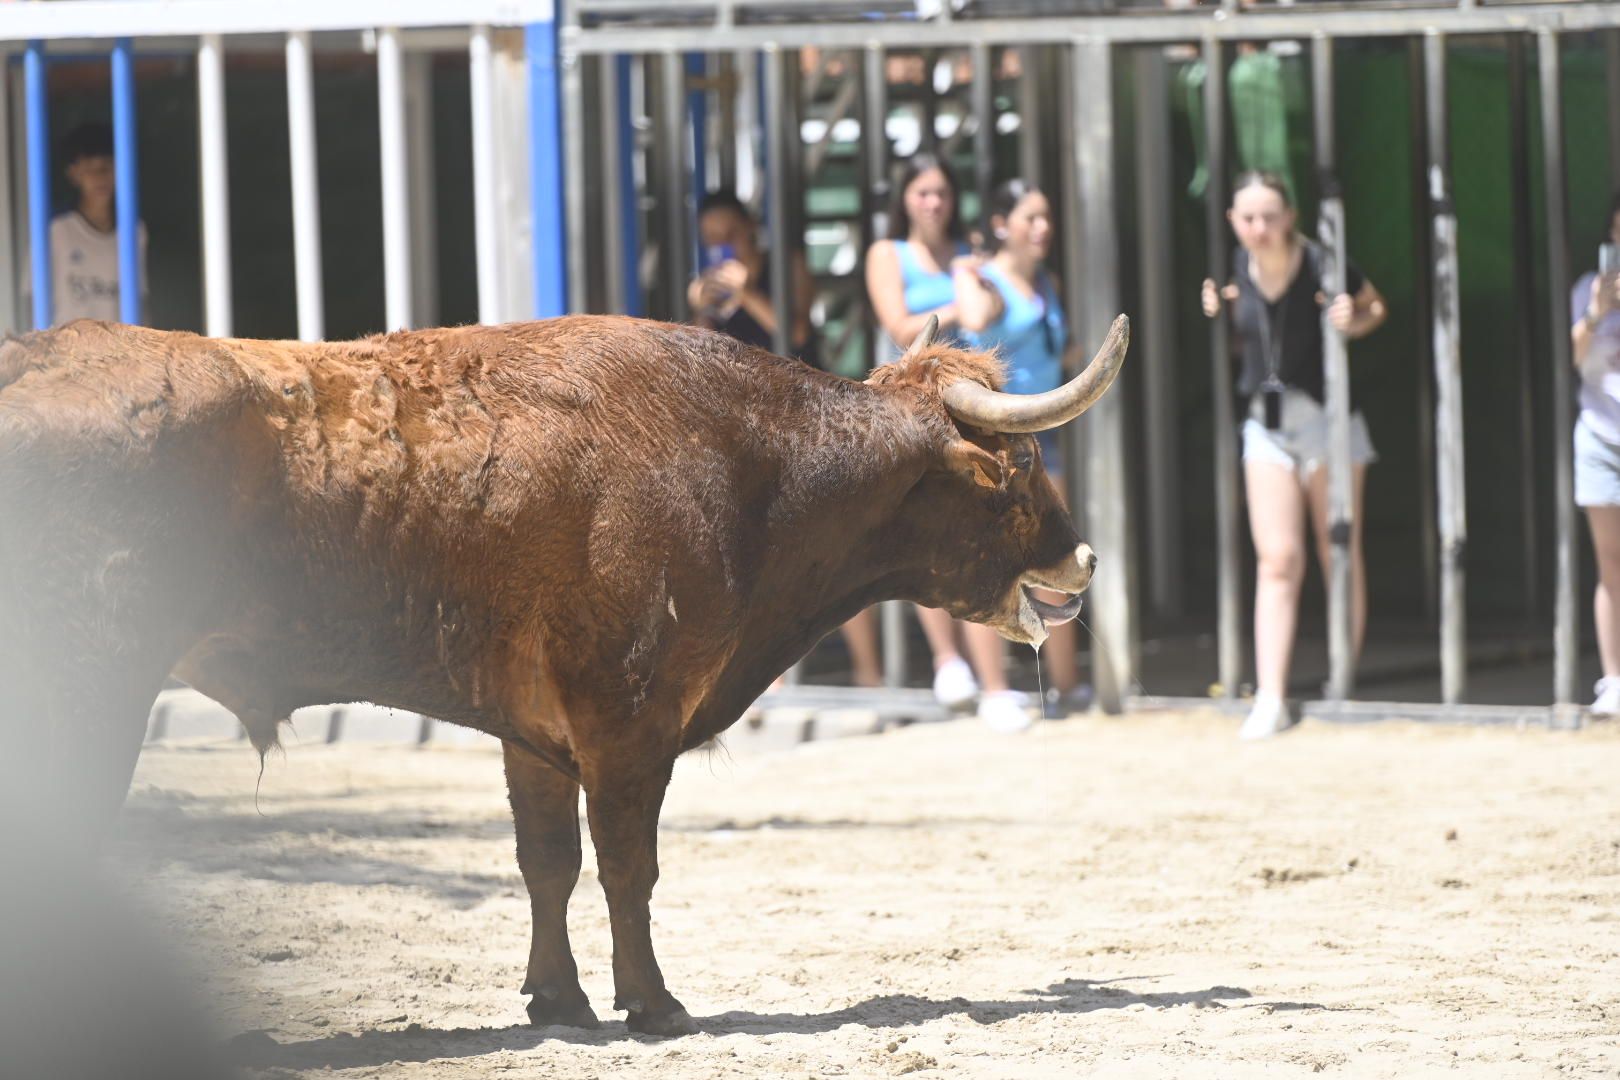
(977, 464)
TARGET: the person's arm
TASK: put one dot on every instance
(1359, 315)
(978, 303)
(888, 294)
(1600, 302)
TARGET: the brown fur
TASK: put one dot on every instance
(596, 538)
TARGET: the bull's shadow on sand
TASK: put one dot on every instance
(416, 1043)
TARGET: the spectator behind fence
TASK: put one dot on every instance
(926, 268)
(732, 294)
(732, 290)
(84, 240)
(1028, 329)
(1276, 297)
(1595, 340)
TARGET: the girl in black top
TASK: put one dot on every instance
(1277, 298)
(733, 293)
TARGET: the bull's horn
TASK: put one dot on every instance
(925, 337)
(993, 410)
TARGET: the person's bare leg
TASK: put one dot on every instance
(1277, 525)
(1605, 525)
(987, 655)
(860, 637)
(1318, 487)
(940, 630)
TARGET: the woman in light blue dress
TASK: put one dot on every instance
(1026, 326)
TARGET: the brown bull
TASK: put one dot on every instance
(597, 539)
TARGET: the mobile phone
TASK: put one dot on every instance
(715, 254)
(1608, 260)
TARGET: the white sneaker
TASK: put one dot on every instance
(1268, 717)
(1005, 712)
(954, 683)
(1607, 702)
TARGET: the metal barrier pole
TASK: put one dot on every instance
(984, 126)
(39, 183)
(10, 315)
(1030, 110)
(1157, 332)
(1336, 382)
(1423, 317)
(216, 205)
(126, 164)
(575, 222)
(672, 262)
(1097, 303)
(546, 162)
(614, 219)
(778, 214)
(1524, 293)
(1565, 657)
(306, 191)
(480, 76)
(422, 187)
(726, 134)
(396, 203)
(697, 108)
(1448, 425)
(1229, 604)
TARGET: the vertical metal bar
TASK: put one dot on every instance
(216, 205)
(1029, 113)
(486, 257)
(877, 141)
(422, 187)
(573, 163)
(17, 206)
(396, 203)
(984, 125)
(778, 212)
(1611, 82)
(675, 258)
(546, 154)
(1229, 604)
(1423, 313)
(1336, 381)
(1157, 333)
(1552, 159)
(10, 317)
(1448, 420)
(726, 100)
(306, 191)
(126, 164)
(1107, 497)
(1524, 291)
(39, 183)
(614, 222)
(697, 108)
(629, 196)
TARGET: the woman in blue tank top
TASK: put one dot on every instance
(925, 268)
(1028, 329)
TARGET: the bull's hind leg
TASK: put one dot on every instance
(545, 809)
(623, 804)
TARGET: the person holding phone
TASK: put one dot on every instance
(732, 291)
(1276, 295)
(1595, 349)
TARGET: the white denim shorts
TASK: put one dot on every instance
(1301, 443)
(1597, 469)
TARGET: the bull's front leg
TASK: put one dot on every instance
(623, 798)
(545, 810)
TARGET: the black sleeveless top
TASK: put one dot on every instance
(1286, 333)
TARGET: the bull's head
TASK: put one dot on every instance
(996, 526)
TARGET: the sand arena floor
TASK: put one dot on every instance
(1111, 898)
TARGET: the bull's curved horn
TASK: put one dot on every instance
(925, 337)
(993, 410)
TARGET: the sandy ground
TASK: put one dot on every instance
(1110, 898)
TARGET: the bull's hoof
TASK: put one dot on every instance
(564, 1010)
(666, 1025)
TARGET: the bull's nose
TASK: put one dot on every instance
(1091, 562)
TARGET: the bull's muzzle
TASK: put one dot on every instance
(1070, 577)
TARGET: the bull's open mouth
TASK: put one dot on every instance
(1053, 614)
